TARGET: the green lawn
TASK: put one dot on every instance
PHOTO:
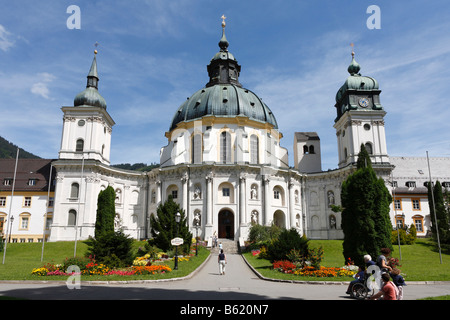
(419, 262)
(22, 258)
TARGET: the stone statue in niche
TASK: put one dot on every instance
(197, 219)
(197, 192)
(254, 192)
(332, 222)
(330, 196)
(254, 217)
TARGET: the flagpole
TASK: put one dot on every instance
(434, 209)
(46, 211)
(79, 200)
(9, 225)
(395, 213)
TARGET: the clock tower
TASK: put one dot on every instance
(360, 118)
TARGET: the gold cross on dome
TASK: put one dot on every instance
(352, 45)
(223, 20)
(96, 44)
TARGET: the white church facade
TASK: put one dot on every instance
(224, 163)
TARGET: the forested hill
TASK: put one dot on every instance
(136, 166)
(8, 150)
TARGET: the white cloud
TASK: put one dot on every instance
(40, 88)
(5, 41)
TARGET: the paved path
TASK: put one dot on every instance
(239, 283)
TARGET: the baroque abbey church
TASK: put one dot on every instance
(225, 165)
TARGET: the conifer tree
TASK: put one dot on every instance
(441, 213)
(164, 227)
(365, 216)
(106, 211)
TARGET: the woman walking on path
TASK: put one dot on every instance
(222, 262)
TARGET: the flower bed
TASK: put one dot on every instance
(288, 267)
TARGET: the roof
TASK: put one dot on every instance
(90, 96)
(38, 169)
(223, 95)
(306, 136)
(224, 100)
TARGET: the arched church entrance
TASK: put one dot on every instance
(226, 224)
(279, 219)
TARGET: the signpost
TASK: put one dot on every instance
(176, 241)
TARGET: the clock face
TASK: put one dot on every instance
(364, 102)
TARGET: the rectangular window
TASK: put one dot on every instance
(7, 182)
(51, 201)
(226, 192)
(27, 202)
(276, 194)
(2, 201)
(24, 223)
(399, 223)
(175, 194)
(197, 148)
(398, 204)
(31, 182)
(419, 225)
(411, 184)
(416, 204)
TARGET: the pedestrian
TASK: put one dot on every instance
(215, 239)
(388, 291)
(220, 246)
(359, 277)
(222, 262)
(368, 260)
(382, 260)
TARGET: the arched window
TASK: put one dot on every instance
(80, 145)
(225, 147)
(311, 149)
(254, 149)
(72, 219)
(368, 146)
(74, 190)
(196, 150)
(305, 149)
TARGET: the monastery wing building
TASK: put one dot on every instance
(224, 164)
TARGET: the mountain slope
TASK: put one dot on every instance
(8, 150)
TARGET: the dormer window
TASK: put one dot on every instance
(31, 182)
(410, 184)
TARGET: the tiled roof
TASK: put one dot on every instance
(27, 169)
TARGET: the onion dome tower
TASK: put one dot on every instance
(90, 96)
(87, 125)
(360, 118)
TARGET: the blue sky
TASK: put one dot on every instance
(294, 54)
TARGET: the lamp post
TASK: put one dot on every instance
(177, 220)
(196, 239)
(11, 220)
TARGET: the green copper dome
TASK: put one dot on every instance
(356, 81)
(223, 95)
(90, 96)
(224, 100)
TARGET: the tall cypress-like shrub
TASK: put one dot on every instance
(365, 215)
(106, 211)
(164, 227)
(441, 213)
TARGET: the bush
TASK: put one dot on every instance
(80, 262)
(406, 237)
(281, 247)
(112, 247)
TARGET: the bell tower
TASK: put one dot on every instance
(360, 118)
(87, 125)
